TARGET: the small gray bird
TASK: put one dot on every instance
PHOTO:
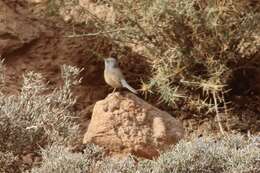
(114, 77)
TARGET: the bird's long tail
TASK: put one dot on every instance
(126, 85)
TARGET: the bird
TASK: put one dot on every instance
(114, 76)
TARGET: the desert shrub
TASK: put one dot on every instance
(38, 116)
(8, 163)
(193, 46)
(232, 153)
(60, 159)
(116, 165)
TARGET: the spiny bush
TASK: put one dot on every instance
(57, 158)
(194, 46)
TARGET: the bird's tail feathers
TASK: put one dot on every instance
(126, 85)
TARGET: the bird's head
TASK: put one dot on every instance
(111, 63)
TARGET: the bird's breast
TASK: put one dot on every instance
(113, 77)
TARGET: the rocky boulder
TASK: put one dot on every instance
(124, 123)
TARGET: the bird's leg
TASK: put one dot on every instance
(114, 90)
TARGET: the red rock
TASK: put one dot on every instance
(128, 124)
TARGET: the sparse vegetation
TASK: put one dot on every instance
(194, 48)
(230, 154)
(27, 124)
